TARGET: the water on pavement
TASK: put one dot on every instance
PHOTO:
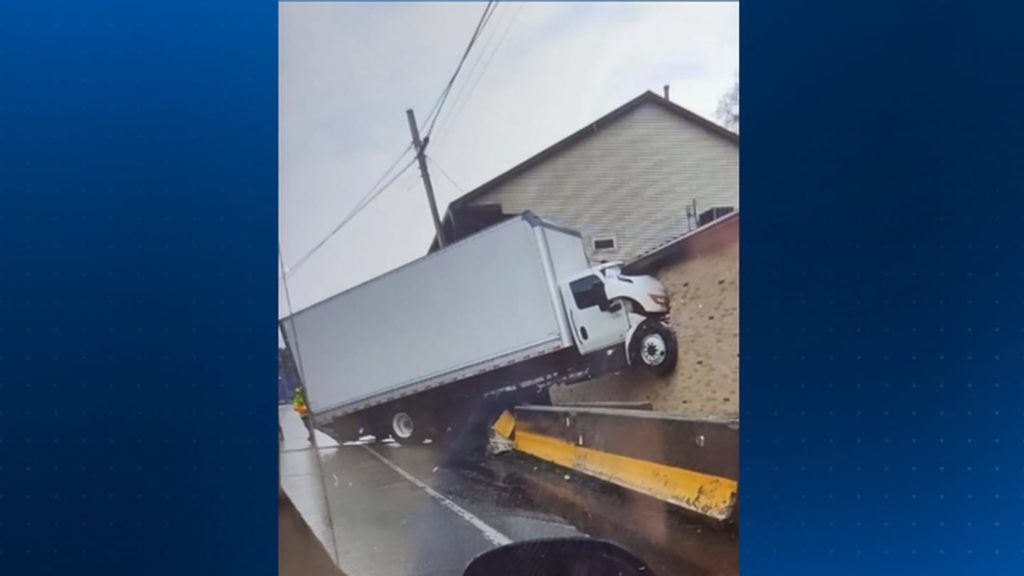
(391, 510)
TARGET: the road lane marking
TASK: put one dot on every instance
(489, 532)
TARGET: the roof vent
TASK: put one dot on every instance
(666, 91)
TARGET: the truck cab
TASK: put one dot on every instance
(607, 308)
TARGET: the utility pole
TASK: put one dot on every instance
(420, 146)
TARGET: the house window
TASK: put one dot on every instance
(604, 243)
(712, 214)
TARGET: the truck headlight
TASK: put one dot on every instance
(659, 299)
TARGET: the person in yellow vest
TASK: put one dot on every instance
(300, 406)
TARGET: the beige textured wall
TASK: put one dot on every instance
(705, 316)
(633, 179)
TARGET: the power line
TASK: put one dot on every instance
(431, 118)
(366, 200)
(288, 301)
(445, 174)
(439, 104)
(375, 191)
(472, 81)
(370, 197)
(302, 381)
(472, 69)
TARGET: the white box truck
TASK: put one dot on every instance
(504, 313)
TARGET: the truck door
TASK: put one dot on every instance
(596, 323)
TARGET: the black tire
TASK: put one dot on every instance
(406, 426)
(658, 361)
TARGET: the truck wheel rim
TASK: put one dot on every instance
(402, 425)
(652, 350)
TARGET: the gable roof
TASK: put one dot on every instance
(590, 130)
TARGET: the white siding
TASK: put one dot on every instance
(632, 180)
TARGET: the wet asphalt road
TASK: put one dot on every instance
(400, 510)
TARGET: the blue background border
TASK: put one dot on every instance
(882, 307)
(139, 299)
(882, 315)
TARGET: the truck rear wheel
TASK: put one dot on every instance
(407, 426)
(654, 347)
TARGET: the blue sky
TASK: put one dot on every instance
(348, 71)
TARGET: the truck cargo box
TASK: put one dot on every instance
(487, 301)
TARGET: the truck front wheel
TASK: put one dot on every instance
(654, 347)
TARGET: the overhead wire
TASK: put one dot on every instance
(297, 356)
(363, 203)
(445, 174)
(442, 98)
(435, 112)
(429, 122)
(480, 54)
(471, 81)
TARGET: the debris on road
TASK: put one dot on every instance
(499, 445)
(363, 440)
(505, 425)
